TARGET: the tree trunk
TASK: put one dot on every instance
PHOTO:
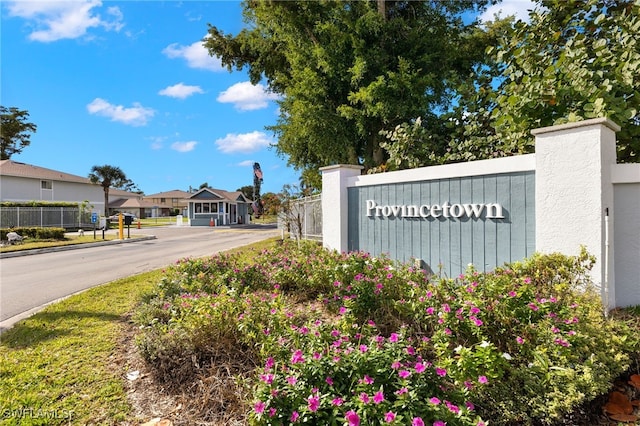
(106, 202)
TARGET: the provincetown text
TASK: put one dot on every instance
(446, 210)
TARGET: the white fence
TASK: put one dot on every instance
(581, 197)
(302, 218)
(59, 217)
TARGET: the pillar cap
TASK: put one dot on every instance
(341, 166)
(574, 125)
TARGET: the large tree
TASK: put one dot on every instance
(348, 69)
(15, 131)
(110, 177)
(573, 60)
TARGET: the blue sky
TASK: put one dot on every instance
(128, 84)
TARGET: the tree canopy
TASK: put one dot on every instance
(15, 131)
(573, 60)
(348, 69)
(110, 177)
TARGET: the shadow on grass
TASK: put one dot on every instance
(46, 326)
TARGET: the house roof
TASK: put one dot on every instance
(113, 192)
(15, 168)
(176, 193)
(131, 203)
(221, 194)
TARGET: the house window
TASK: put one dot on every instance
(205, 208)
(163, 200)
(46, 184)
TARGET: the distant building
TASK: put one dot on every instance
(168, 203)
(210, 206)
(23, 183)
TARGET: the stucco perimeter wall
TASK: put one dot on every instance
(581, 198)
(626, 238)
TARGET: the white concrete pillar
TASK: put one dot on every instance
(574, 194)
(334, 205)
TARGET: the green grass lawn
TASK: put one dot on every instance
(57, 367)
(30, 244)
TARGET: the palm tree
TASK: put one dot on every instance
(107, 177)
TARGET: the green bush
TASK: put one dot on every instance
(345, 336)
(35, 233)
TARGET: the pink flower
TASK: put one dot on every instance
(367, 380)
(434, 400)
(378, 397)
(393, 338)
(329, 381)
(294, 417)
(259, 407)
(533, 306)
(267, 378)
(343, 310)
(483, 379)
(401, 391)
(272, 412)
(337, 401)
(430, 311)
(292, 380)
(420, 367)
(404, 373)
(270, 362)
(519, 340)
(314, 403)
(297, 357)
(441, 372)
(389, 416)
(445, 308)
(395, 365)
(352, 418)
(453, 408)
(417, 421)
(439, 423)
(364, 397)
(364, 348)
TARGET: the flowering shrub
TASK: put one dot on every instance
(351, 339)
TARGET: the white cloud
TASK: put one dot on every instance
(56, 20)
(180, 91)
(196, 55)
(246, 163)
(184, 146)
(246, 97)
(134, 116)
(518, 8)
(245, 143)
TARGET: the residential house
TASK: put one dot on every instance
(168, 203)
(21, 182)
(216, 207)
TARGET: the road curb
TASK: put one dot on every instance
(74, 247)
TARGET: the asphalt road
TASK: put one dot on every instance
(30, 282)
